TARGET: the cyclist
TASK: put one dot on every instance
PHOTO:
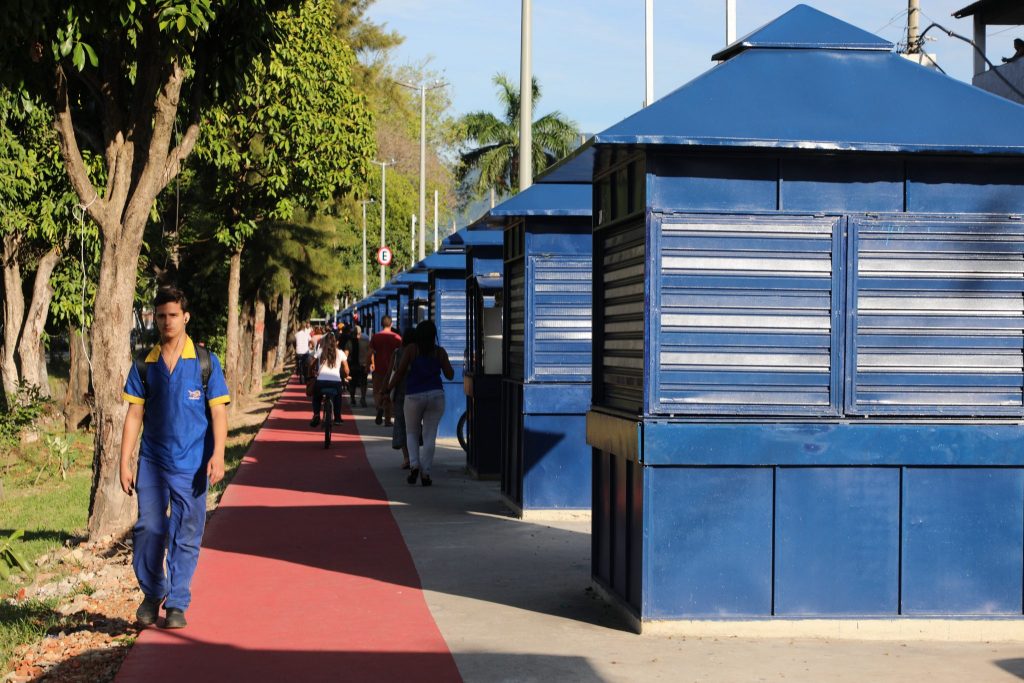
(331, 369)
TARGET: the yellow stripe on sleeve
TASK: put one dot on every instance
(220, 400)
(133, 399)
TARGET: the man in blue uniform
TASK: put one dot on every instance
(179, 395)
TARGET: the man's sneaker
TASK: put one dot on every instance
(315, 422)
(174, 618)
(380, 417)
(147, 612)
(362, 403)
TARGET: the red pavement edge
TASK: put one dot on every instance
(303, 574)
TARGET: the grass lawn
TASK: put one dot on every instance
(50, 509)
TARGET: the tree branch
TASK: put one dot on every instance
(72, 155)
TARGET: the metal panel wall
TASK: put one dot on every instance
(837, 541)
(937, 316)
(748, 315)
(963, 541)
(559, 318)
(619, 332)
(708, 543)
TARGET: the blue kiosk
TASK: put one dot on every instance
(545, 393)
(446, 285)
(412, 284)
(482, 379)
(808, 333)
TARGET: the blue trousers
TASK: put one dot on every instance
(176, 535)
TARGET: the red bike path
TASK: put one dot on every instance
(303, 575)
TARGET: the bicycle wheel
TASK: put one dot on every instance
(462, 431)
(328, 420)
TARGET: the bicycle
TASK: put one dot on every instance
(462, 431)
(330, 395)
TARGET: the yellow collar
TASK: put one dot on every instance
(187, 351)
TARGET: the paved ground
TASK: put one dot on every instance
(512, 601)
(303, 575)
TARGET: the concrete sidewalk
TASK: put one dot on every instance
(513, 602)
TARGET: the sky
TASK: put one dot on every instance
(588, 55)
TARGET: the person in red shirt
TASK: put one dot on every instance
(382, 348)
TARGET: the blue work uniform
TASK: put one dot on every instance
(177, 442)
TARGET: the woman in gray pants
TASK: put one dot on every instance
(421, 367)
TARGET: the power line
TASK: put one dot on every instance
(954, 34)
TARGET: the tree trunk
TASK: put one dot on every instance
(258, 330)
(232, 369)
(245, 342)
(110, 510)
(14, 315)
(76, 401)
(282, 333)
(31, 352)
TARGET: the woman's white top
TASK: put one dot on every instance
(331, 374)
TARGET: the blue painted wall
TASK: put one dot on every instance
(819, 356)
(546, 463)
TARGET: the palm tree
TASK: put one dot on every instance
(493, 160)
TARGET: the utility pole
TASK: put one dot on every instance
(383, 205)
(435, 220)
(526, 101)
(648, 52)
(730, 22)
(422, 88)
(412, 242)
(913, 24)
(364, 203)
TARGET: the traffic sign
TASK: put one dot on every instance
(385, 256)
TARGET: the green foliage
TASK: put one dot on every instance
(296, 135)
(25, 407)
(60, 454)
(123, 43)
(35, 196)
(491, 157)
(10, 558)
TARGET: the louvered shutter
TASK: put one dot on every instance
(561, 318)
(747, 316)
(937, 316)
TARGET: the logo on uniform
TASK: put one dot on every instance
(195, 395)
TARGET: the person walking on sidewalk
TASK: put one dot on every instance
(179, 395)
(421, 367)
(398, 434)
(302, 341)
(358, 350)
(332, 367)
(382, 347)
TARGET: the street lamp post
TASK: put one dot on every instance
(526, 101)
(383, 205)
(364, 202)
(422, 89)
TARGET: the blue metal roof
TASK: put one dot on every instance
(473, 238)
(542, 199)
(412, 276)
(490, 282)
(445, 261)
(826, 99)
(578, 167)
(807, 28)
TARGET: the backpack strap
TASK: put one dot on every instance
(142, 368)
(205, 365)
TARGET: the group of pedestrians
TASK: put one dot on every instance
(406, 372)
